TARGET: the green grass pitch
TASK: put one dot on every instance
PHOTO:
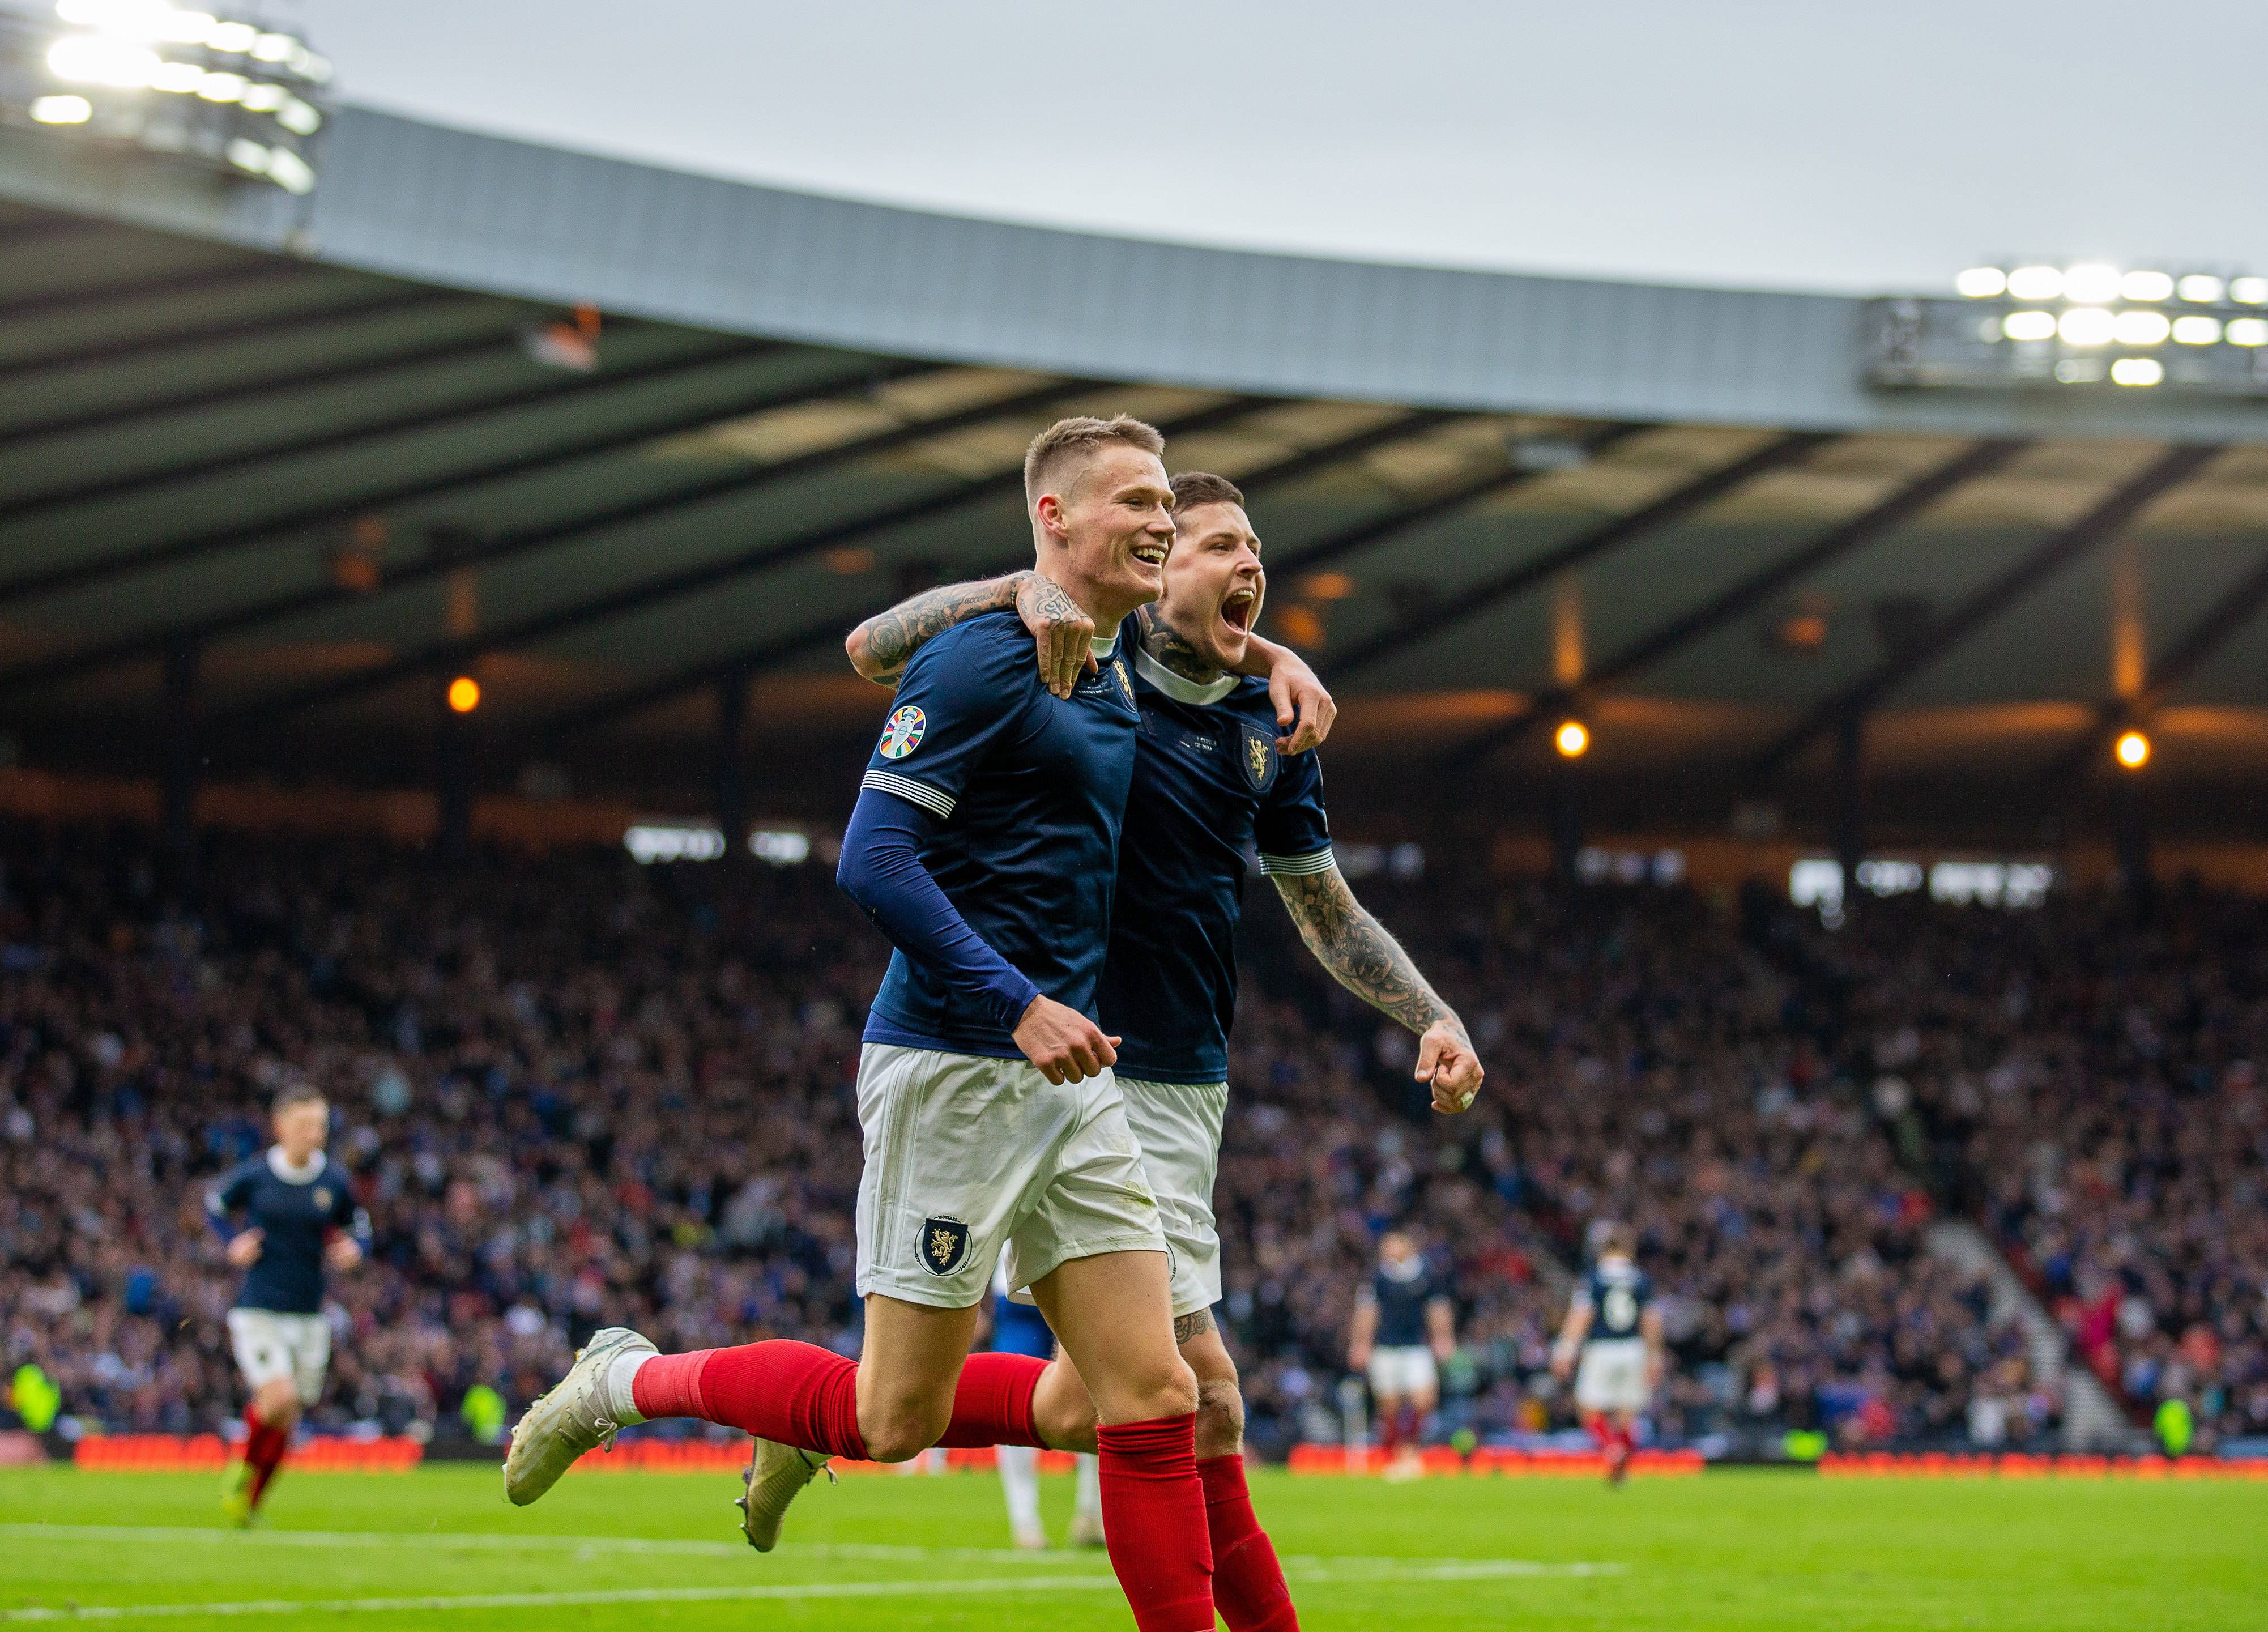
(438, 1548)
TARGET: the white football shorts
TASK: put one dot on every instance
(1611, 1376)
(270, 1345)
(1178, 1127)
(1398, 1373)
(967, 1155)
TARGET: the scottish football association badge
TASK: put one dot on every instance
(322, 1200)
(944, 1245)
(903, 733)
(1259, 758)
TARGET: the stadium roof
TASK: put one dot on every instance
(326, 449)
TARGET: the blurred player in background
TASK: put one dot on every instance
(1404, 1327)
(299, 1216)
(1616, 1327)
(1021, 1329)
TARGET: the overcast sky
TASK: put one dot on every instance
(1787, 144)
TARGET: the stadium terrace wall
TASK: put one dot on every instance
(449, 207)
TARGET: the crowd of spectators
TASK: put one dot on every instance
(574, 1091)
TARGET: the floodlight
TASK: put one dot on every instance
(2246, 332)
(2137, 372)
(2090, 284)
(221, 87)
(2202, 289)
(2197, 331)
(248, 156)
(179, 77)
(2036, 282)
(2146, 286)
(96, 60)
(63, 110)
(233, 39)
(2249, 292)
(2140, 328)
(298, 117)
(2085, 325)
(1572, 740)
(2028, 326)
(2133, 749)
(273, 49)
(290, 172)
(264, 96)
(464, 694)
(1982, 283)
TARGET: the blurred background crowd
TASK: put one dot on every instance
(572, 1091)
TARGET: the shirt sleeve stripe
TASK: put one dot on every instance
(911, 792)
(1318, 861)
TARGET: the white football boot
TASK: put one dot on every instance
(773, 1480)
(574, 1418)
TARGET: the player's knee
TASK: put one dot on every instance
(1169, 1391)
(1220, 1417)
(901, 1431)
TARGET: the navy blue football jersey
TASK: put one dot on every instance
(1029, 791)
(1618, 1293)
(295, 1217)
(1402, 1300)
(1208, 785)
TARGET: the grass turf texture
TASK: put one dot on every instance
(1755, 1551)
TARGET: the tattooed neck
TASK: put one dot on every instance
(1172, 650)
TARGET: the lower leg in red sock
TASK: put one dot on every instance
(796, 1393)
(264, 1451)
(1248, 1583)
(992, 1405)
(1153, 1522)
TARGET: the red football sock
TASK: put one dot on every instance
(1153, 1522)
(264, 1450)
(796, 1393)
(1389, 1430)
(992, 1406)
(1601, 1432)
(1248, 1583)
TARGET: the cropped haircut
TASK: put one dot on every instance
(1193, 488)
(1076, 440)
(298, 1093)
(1621, 1241)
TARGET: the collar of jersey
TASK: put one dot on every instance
(1103, 650)
(1178, 688)
(290, 1174)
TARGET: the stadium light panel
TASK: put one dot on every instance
(232, 39)
(63, 110)
(2202, 289)
(2146, 286)
(291, 172)
(222, 87)
(2029, 324)
(2246, 332)
(1572, 740)
(2091, 283)
(273, 49)
(180, 78)
(2036, 282)
(2137, 372)
(2086, 326)
(2133, 749)
(2197, 331)
(2140, 328)
(1982, 283)
(2249, 292)
(98, 59)
(252, 157)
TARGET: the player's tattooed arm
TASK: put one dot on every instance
(1365, 959)
(880, 647)
(1189, 1325)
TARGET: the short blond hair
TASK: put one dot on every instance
(1070, 440)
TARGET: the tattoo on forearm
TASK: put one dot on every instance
(894, 636)
(1358, 951)
(1175, 652)
(1189, 1325)
(1049, 600)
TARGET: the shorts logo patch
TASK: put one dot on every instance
(322, 1200)
(903, 733)
(944, 1245)
(1259, 759)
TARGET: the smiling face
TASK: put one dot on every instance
(1105, 532)
(1214, 583)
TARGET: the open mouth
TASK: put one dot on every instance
(1150, 554)
(1237, 610)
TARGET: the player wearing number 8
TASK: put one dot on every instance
(1616, 1327)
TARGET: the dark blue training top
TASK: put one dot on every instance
(1402, 1299)
(295, 1217)
(985, 839)
(1208, 785)
(1616, 1292)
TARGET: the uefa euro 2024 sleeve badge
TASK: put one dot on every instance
(1259, 758)
(903, 732)
(944, 1244)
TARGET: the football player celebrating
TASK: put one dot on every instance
(299, 1216)
(1616, 1327)
(1211, 778)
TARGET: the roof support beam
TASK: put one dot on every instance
(1674, 634)
(2222, 621)
(2050, 556)
(1508, 585)
(140, 349)
(778, 649)
(78, 297)
(422, 419)
(722, 570)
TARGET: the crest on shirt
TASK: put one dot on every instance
(1124, 685)
(903, 732)
(322, 1199)
(944, 1244)
(1259, 758)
